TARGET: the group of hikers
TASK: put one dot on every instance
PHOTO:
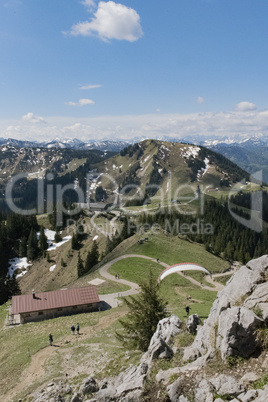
(117, 276)
(50, 336)
(73, 329)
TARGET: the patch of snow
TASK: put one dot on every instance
(60, 243)
(52, 268)
(20, 264)
(190, 151)
(203, 171)
(95, 237)
(146, 159)
(50, 235)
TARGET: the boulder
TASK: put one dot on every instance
(174, 390)
(236, 332)
(192, 323)
(248, 396)
(131, 380)
(190, 354)
(226, 385)
(262, 395)
(76, 398)
(204, 392)
(105, 394)
(89, 386)
(165, 331)
(248, 378)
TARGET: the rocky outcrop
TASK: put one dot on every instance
(240, 291)
(192, 323)
(164, 334)
(237, 332)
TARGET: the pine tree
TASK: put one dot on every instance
(145, 311)
(57, 237)
(95, 253)
(42, 239)
(23, 247)
(80, 266)
(92, 257)
(32, 247)
(75, 243)
(109, 245)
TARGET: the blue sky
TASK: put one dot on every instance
(93, 69)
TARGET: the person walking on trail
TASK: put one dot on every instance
(73, 329)
(50, 338)
(157, 260)
(77, 329)
(187, 309)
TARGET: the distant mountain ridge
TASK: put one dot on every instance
(250, 153)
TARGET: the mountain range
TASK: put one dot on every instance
(250, 153)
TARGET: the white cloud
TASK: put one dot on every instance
(32, 118)
(85, 87)
(245, 107)
(111, 21)
(200, 99)
(219, 124)
(81, 102)
(88, 3)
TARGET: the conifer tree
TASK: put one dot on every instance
(23, 247)
(75, 243)
(57, 237)
(109, 245)
(80, 266)
(145, 311)
(32, 247)
(42, 239)
(92, 257)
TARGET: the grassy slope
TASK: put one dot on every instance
(172, 250)
(174, 288)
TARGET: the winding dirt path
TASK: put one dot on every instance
(37, 367)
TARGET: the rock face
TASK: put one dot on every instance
(236, 332)
(246, 284)
(165, 331)
(192, 323)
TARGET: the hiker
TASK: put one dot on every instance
(118, 277)
(187, 309)
(157, 260)
(50, 338)
(73, 329)
(77, 329)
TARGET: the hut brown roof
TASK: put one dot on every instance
(55, 299)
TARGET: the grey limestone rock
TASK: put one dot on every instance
(236, 332)
(248, 396)
(226, 385)
(204, 392)
(190, 354)
(192, 323)
(174, 390)
(89, 386)
(242, 283)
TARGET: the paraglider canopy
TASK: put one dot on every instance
(184, 266)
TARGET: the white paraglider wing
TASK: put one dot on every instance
(182, 267)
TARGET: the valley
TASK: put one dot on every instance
(153, 205)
